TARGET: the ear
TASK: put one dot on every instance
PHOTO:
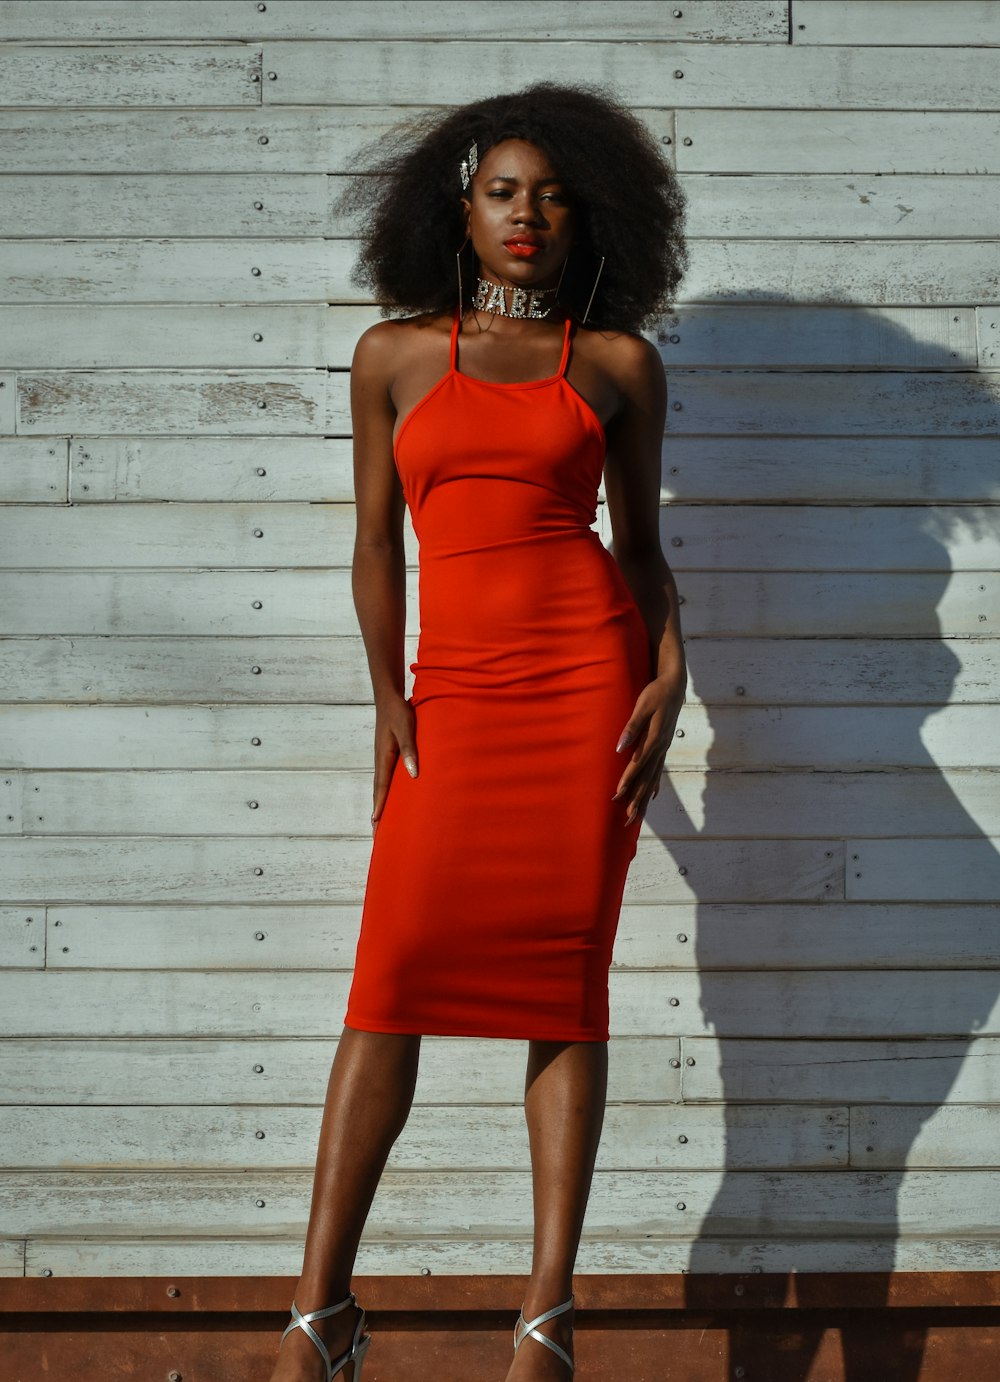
(466, 206)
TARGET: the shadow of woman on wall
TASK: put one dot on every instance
(842, 873)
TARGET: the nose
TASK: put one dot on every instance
(525, 211)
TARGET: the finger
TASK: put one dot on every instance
(633, 766)
(406, 745)
(638, 763)
(630, 733)
(378, 801)
(409, 753)
(640, 798)
(385, 766)
(636, 808)
(634, 729)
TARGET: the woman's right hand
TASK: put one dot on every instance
(395, 726)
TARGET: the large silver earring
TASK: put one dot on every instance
(458, 267)
(600, 270)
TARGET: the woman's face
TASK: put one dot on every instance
(519, 216)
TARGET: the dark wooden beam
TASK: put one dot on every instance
(837, 1327)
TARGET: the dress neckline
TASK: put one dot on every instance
(518, 384)
(454, 373)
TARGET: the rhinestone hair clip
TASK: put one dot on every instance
(469, 165)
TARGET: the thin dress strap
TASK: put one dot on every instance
(565, 350)
(454, 338)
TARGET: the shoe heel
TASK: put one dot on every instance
(358, 1361)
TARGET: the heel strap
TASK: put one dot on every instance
(525, 1327)
(300, 1321)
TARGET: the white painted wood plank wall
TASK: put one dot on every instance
(806, 992)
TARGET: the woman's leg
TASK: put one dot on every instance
(566, 1086)
(368, 1101)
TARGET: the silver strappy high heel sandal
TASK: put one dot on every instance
(525, 1327)
(354, 1356)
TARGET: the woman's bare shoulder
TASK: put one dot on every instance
(630, 360)
(618, 350)
(383, 347)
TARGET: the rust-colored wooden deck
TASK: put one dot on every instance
(857, 1327)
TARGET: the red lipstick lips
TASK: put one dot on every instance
(524, 247)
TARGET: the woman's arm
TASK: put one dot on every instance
(632, 487)
(378, 572)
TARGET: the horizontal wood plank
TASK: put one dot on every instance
(820, 469)
(825, 137)
(805, 538)
(826, 1003)
(81, 868)
(818, 204)
(710, 537)
(964, 23)
(327, 736)
(313, 402)
(33, 470)
(667, 1204)
(831, 935)
(182, 74)
(455, 1139)
(829, 1003)
(727, 76)
(212, 603)
(956, 870)
(22, 937)
(698, 334)
(740, 671)
(884, 1072)
(875, 272)
(121, 335)
(924, 1136)
(752, 21)
(272, 1256)
(839, 604)
(310, 270)
(842, 403)
(702, 936)
(185, 669)
(336, 802)
(895, 671)
(259, 1070)
(184, 336)
(207, 141)
(305, 402)
(815, 206)
(802, 469)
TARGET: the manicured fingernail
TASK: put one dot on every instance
(625, 739)
(411, 766)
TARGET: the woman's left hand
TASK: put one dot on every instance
(650, 728)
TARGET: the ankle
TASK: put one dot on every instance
(542, 1296)
(317, 1295)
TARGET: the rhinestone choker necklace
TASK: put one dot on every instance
(492, 297)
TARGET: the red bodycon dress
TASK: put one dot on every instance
(496, 875)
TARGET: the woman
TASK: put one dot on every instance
(527, 237)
